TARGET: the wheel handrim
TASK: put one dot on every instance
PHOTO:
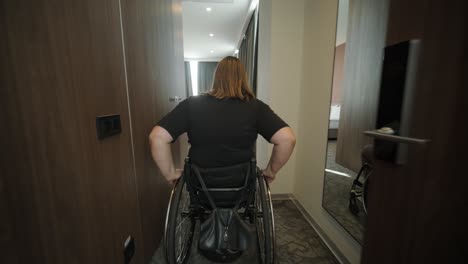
(259, 225)
(184, 227)
(264, 210)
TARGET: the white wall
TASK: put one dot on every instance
(264, 70)
(279, 86)
(342, 27)
(296, 53)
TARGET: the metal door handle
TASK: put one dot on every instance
(398, 139)
(175, 99)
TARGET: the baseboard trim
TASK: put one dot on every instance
(281, 196)
(325, 238)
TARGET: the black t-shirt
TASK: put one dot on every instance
(221, 132)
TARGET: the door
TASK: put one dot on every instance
(155, 76)
(67, 196)
(418, 211)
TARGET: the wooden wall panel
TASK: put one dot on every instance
(71, 198)
(18, 223)
(363, 62)
(154, 52)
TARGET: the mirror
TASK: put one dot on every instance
(344, 193)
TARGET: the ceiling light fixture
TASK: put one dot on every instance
(236, 51)
(211, 35)
(211, 51)
(208, 9)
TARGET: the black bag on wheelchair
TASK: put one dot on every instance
(224, 235)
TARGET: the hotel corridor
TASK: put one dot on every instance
(374, 90)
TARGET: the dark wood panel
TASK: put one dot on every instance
(363, 62)
(154, 52)
(405, 20)
(72, 198)
(17, 220)
(422, 217)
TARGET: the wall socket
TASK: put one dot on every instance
(129, 249)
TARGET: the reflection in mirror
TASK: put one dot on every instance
(344, 187)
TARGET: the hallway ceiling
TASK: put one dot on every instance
(226, 21)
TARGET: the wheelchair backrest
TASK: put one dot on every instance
(227, 186)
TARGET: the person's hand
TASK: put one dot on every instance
(172, 179)
(269, 175)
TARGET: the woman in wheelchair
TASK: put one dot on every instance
(221, 197)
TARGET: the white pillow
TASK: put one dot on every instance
(335, 112)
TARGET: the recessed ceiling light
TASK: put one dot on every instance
(211, 35)
(236, 51)
(208, 9)
(211, 51)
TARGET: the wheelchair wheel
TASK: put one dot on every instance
(365, 191)
(265, 222)
(180, 225)
(353, 207)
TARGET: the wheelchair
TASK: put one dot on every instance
(241, 187)
(360, 187)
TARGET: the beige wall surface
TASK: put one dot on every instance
(296, 54)
(284, 51)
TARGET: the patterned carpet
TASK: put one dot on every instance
(296, 240)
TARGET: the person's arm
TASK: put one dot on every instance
(284, 142)
(160, 141)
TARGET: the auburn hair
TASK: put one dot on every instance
(230, 80)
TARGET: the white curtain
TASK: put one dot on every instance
(205, 76)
